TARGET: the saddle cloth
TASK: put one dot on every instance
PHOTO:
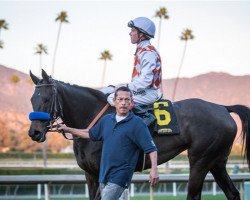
(165, 117)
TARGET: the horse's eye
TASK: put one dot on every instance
(45, 100)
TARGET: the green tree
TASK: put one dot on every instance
(185, 36)
(162, 13)
(105, 55)
(40, 49)
(62, 18)
(15, 79)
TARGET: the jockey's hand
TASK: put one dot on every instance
(153, 177)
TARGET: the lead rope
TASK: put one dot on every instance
(89, 126)
(98, 116)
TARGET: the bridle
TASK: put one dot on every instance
(55, 109)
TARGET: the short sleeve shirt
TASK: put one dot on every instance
(122, 142)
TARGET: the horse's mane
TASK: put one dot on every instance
(76, 88)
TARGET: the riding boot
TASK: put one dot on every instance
(144, 114)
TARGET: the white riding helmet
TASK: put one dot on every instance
(144, 25)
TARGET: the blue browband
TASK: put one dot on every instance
(39, 116)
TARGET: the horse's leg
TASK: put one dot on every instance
(224, 181)
(196, 178)
(93, 186)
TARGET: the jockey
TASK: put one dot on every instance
(146, 76)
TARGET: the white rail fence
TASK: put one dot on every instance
(48, 180)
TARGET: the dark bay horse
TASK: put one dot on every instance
(207, 132)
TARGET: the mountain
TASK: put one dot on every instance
(15, 97)
(15, 103)
(219, 88)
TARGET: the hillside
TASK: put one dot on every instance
(15, 103)
(15, 97)
(219, 88)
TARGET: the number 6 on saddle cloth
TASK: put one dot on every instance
(166, 119)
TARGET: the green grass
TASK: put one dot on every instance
(204, 197)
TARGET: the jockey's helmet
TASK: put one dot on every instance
(144, 25)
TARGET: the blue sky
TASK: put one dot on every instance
(221, 44)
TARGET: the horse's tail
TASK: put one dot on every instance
(244, 114)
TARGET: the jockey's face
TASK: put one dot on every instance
(134, 36)
(122, 103)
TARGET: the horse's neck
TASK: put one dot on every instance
(80, 105)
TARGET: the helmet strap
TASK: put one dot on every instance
(141, 37)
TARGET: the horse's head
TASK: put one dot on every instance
(45, 105)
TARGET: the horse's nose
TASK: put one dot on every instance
(35, 135)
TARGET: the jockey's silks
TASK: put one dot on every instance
(147, 68)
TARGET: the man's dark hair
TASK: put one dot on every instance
(123, 88)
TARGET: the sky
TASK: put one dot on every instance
(221, 44)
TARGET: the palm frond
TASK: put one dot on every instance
(106, 55)
(162, 13)
(187, 34)
(40, 49)
(3, 24)
(62, 17)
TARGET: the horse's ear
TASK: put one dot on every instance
(34, 78)
(45, 76)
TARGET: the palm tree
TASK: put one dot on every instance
(40, 49)
(105, 55)
(1, 44)
(3, 25)
(62, 17)
(186, 35)
(162, 13)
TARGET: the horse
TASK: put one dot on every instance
(207, 132)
